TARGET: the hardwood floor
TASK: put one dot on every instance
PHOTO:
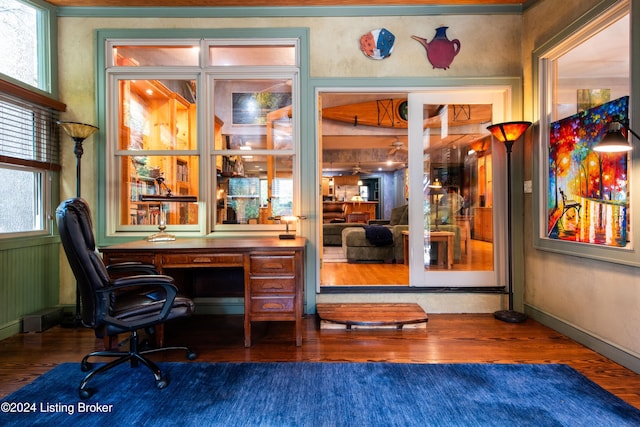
(386, 274)
(448, 338)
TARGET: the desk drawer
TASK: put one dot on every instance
(204, 260)
(115, 258)
(280, 285)
(279, 304)
(273, 264)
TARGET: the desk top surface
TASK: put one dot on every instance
(240, 244)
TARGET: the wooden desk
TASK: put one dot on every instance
(273, 270)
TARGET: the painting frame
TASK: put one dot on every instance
(587, 197)
(251, 108)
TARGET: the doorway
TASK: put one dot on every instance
(452, 148)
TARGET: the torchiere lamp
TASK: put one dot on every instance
(78, 132)
(508, 133)
(614, 141)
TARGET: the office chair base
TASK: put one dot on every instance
(133, 357)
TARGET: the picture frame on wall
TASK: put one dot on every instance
(251, 108)
(589, 98)
(587, 197)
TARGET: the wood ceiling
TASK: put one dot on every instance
(277, 3)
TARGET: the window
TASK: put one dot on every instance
(254, 155)
(29, 139)
(583, 87)
(24, 35)
(222, 133)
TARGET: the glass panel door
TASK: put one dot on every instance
(452, 191)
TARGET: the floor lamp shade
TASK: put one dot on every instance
(508, 133)
(78, 132)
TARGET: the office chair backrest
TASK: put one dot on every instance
(76, 233)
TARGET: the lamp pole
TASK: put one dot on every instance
(509, 146)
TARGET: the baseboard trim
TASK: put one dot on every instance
(9, 329)
(596, 344)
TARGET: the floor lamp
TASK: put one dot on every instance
(508, 133)
(78, 132)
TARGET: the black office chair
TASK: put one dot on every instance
(115, 304)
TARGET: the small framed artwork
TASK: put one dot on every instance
(589, 98)
(251, 108)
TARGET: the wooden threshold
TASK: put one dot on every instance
(376, 315)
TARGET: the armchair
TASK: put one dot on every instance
(112, 305)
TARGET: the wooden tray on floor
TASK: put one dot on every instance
(380, 315)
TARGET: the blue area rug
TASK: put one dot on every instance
(321, 394)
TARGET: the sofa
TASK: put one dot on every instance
(357, 247)
(332, 232)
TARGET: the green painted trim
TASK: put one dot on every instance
(299, 11)
(11, 328)
(596, 344)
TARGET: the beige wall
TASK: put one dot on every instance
(599, 298)
(489, 47)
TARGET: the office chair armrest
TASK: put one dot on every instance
(132, 268)
(139, 284)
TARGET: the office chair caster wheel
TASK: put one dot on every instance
(86, 366)
(85, 393)
(192, 355)
(161, 383)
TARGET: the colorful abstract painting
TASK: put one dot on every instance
(588, 194)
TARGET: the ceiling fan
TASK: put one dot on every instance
(357, 169)
(396, 146)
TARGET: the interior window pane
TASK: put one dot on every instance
(163, 176)
(144, 56)
(255, 189)
(157, 115)
(252, 55)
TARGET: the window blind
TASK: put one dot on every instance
(29, 133)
